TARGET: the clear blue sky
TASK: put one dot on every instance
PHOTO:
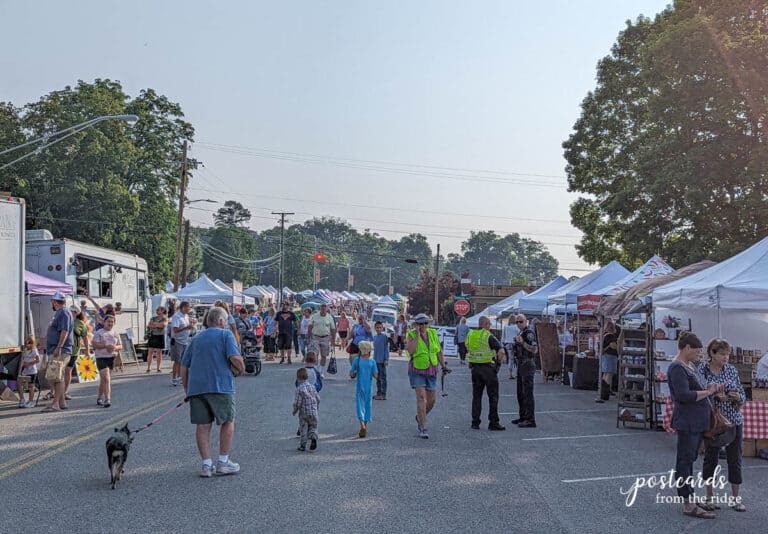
(482, 85)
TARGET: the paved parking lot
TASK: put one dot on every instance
(564, 476)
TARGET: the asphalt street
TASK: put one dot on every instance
(564, 476)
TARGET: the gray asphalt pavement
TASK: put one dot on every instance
(564, 476)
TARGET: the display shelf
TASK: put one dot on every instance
(635, 379)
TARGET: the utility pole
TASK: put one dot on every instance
(349, 277)
(390, 290)
(437, 285)
(282, 215)
(182, 193)
(314, 269)
(184, 274)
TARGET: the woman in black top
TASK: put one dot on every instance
(608, 361)
(691, 415)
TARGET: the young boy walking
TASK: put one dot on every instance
(381, 356)
(305, 404)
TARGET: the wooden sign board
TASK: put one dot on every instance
(549, 350)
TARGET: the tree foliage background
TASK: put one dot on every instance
(111, 185)
(116, 186)
(670, 148)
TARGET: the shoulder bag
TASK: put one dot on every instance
(721, 431)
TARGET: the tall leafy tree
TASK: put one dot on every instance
(232, 214)
(111, 185)
(670, 146)
(489, 257)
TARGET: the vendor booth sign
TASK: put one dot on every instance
(588, 302)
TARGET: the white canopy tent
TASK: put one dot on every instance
(650, 269)
(235, 297)
(203, 290)
(569, 293)
(535, 302)
(493, 311)
(738, 286)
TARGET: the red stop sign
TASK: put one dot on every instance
(461, 307)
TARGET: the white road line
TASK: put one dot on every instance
(617, 477)
(538, 395)
(565, 411)
(584, 437)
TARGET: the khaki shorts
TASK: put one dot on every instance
(203, 409)
(321, 345)
(177, 351)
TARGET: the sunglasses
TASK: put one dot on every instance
(519, 322)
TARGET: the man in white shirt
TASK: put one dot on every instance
(181, 328)
(508, 334)
(321, 332)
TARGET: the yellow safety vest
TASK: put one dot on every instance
(479, 350)
(425, 356)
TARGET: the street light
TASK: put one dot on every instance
(186, 239)
(376, 287)
(63, 134)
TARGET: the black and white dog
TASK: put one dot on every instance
(117, 452)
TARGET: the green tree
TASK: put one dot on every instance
(670, 146)
(232, 214)
(421, 297)
(228, 254)
(490, 257)
(110, 185)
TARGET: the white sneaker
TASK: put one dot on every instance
(227, 468)
(207, 471)
(29, 404)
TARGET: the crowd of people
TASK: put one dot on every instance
(206, 363)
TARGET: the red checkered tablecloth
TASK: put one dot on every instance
(755, 415)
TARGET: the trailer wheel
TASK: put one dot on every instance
(248, 368)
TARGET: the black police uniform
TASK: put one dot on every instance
(526, 369)
(484, 376)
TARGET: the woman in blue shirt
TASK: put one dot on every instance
(360, 332)
(718, 371)
(691, 416)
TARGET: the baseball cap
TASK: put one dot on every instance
(59, 297)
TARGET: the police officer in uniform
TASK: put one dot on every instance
(485, 355)
(525, 348)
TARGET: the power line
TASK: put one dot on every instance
(379, 207)
(446, 173)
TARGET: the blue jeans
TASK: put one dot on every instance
(687, 451)
(381, 382)
(303, 344)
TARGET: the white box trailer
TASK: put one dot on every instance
(110, 276)
(12, 274)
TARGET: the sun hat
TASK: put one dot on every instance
(421, 318)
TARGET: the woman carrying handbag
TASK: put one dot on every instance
(728, 402)
(691, 417)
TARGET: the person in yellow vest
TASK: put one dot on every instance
(425, 353)
(485, 355)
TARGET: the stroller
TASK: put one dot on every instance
(251, 352)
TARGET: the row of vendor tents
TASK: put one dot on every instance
(739, 283)
(207, 291)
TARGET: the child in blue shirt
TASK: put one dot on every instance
(381, 357)
(364, 369)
